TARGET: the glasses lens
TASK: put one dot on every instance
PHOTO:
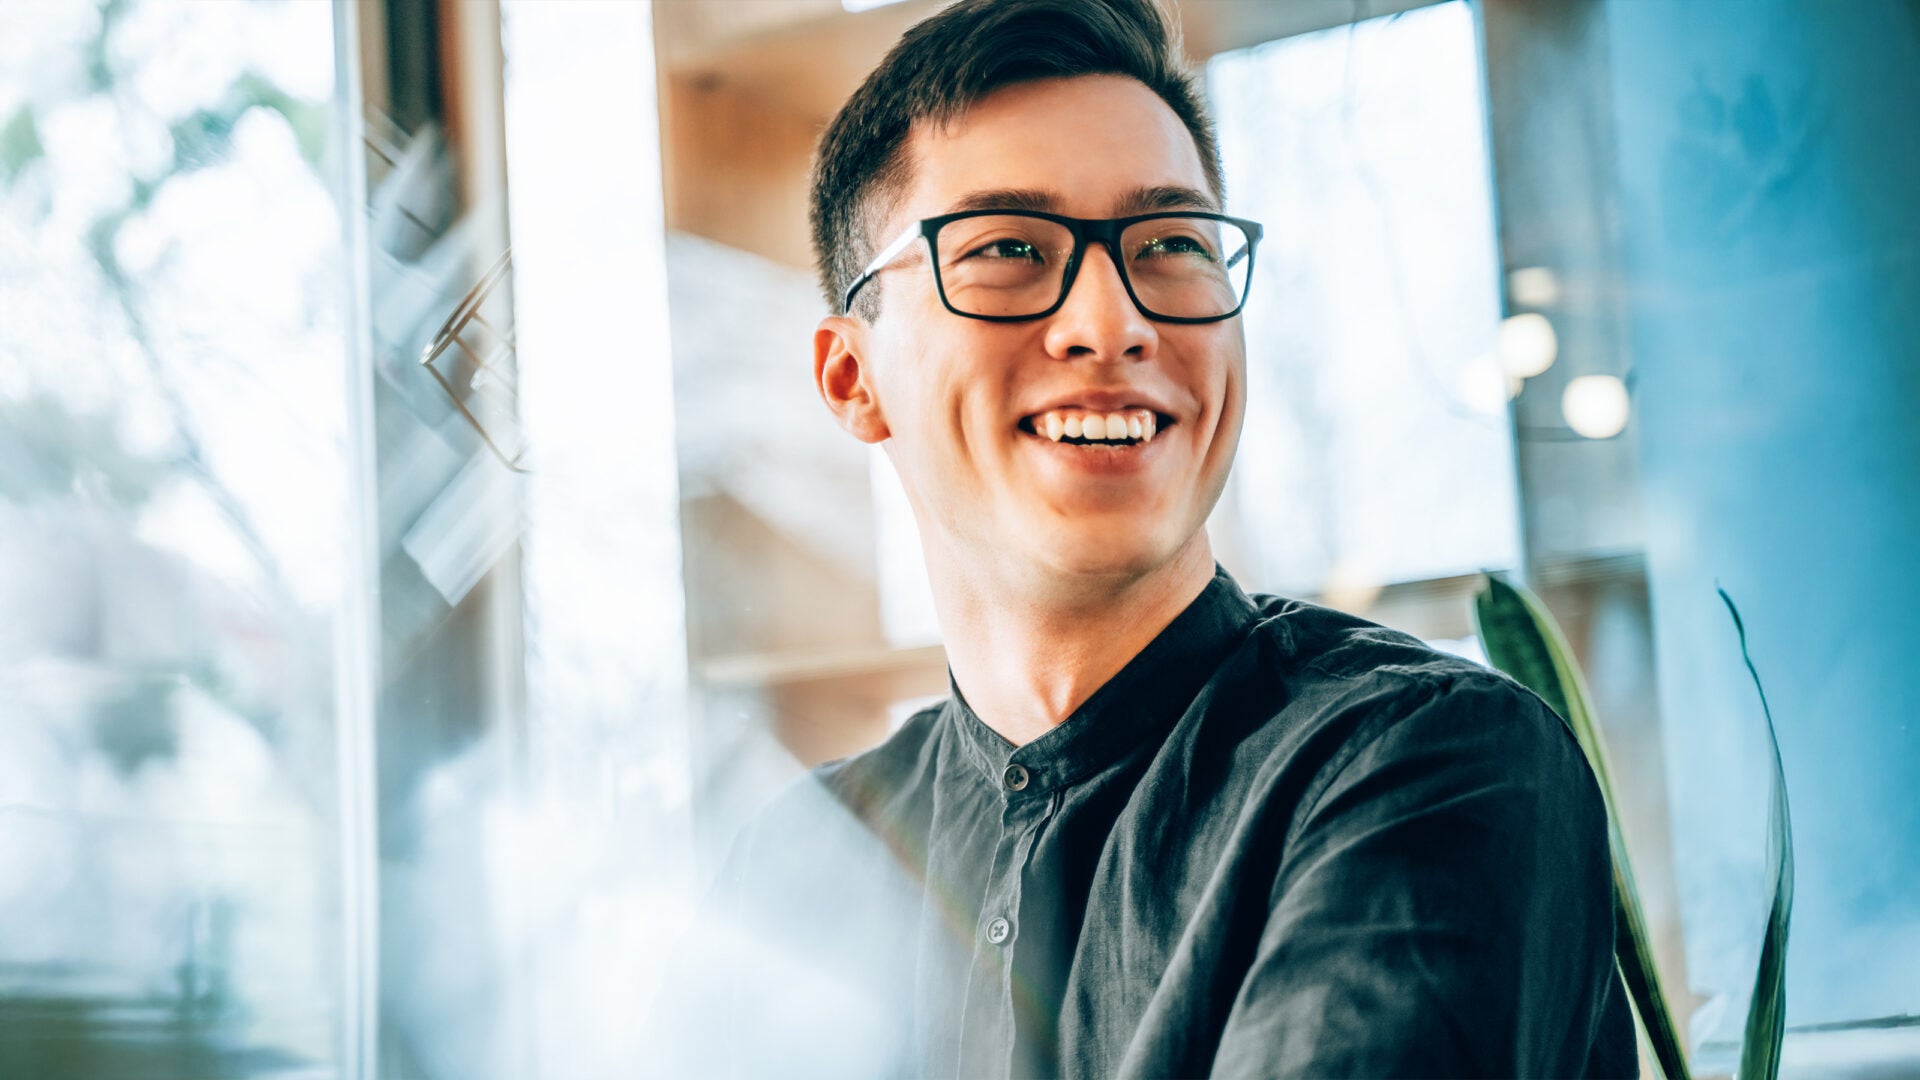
(1003, 265)
(1188, 267)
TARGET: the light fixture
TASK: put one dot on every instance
(1527, 344)
(1533, 286)
(1596, 405)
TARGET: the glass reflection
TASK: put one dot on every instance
(171, 417)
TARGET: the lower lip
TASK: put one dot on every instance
(1118, 460)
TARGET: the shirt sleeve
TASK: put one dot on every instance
(1443, 906)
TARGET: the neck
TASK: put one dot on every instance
(1027, 653)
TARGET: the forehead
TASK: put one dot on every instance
(1089, 144)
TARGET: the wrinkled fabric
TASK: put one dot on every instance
(1282, 842)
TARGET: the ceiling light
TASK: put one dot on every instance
(1596, 405)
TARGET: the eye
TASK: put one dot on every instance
(1161, 246)
(1011, 248)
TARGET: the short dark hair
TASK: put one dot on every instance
(946, 63)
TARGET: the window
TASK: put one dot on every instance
(1377, 448)
(172, 427)
(1707, 197)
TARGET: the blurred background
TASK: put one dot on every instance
(421, 545)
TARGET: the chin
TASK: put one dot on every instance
(1102, 554)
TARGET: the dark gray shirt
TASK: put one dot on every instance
(1282, 842)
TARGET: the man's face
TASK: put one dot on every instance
(964, 403)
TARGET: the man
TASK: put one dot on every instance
(1161, 828)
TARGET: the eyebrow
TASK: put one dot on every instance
(1143, 200)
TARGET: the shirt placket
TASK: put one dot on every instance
(987, 1044)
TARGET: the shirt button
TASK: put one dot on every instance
(998, 930)
(1015, 778)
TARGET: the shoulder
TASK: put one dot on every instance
(837, 805)
(868, 781)
(830, 825)
(1473, 720)
(1328, 644)
(1367, 697)
(1343, 661)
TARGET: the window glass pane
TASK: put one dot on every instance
(1377, 446)
(595, 873)
(1768, 253)
(171, 487)
(1707, 202)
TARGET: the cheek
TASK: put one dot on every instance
(948, 387)
(1234, 395)
(1211, 364)
(931, 422)
(1228, 373)
(959, 392)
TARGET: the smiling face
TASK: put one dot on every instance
(966, 407)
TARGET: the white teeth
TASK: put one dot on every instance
(1055, 424)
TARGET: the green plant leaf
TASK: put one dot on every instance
(203, 138)
(1522, 639)
(310, 120)
(19, 143)
(1767, 1012)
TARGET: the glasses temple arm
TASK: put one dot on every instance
(887, 254)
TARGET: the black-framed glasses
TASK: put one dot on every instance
(1179, 266)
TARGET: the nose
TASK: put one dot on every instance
(1098, 320)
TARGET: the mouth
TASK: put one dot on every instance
(1087, 427)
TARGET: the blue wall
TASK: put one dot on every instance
(1769, 157)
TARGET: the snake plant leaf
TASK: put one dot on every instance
(1767, 1013)
(1522, 639)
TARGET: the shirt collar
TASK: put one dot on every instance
(1134, 708)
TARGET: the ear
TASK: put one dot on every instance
(845, 380)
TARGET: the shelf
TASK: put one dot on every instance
(798, 666)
